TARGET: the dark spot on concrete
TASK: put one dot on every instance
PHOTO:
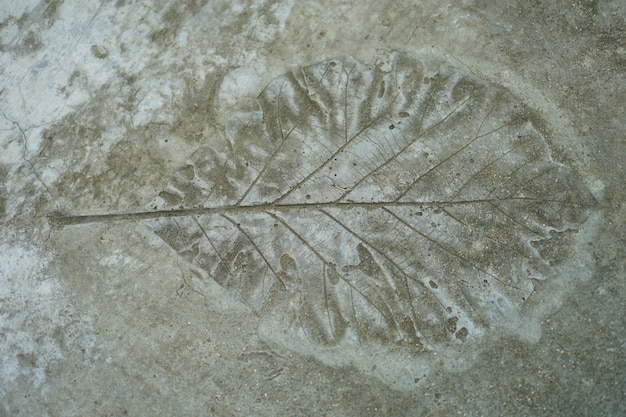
(99, 51)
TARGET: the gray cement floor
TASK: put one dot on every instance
(102, 103)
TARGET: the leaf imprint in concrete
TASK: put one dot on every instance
(377, 206)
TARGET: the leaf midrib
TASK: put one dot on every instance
(60, 220)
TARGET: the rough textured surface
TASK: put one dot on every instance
(101, 103)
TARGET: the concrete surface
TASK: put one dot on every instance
(102, 102)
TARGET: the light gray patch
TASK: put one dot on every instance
(29, 26)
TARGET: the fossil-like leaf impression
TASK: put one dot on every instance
(378, 204)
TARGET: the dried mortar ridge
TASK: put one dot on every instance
(376, 208)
